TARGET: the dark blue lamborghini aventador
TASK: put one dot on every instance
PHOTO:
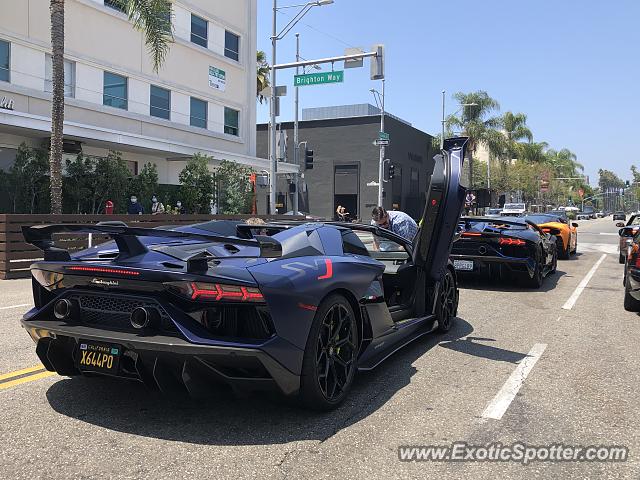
(296, 306)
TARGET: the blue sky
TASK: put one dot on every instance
(571, 66)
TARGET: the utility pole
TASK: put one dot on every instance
(296, 150)
(443, 120)
(381, 161)
(273, 161)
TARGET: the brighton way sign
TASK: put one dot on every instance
(318, 78)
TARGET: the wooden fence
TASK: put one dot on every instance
(16, 256)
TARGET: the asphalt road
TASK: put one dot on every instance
(441, 389)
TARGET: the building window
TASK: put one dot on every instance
(199, 30)
(5, 61)
(198, 113)
(69, 77)
(115, 4)
(115, 91)
(414, 182)
(231, 124)
(160, 102)
(231, 45)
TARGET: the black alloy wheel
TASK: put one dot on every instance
(330, 357)
(447, 303)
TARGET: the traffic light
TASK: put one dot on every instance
(377, 63)
(308, 159)
(392, 171)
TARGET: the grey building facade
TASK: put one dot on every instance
(345, 166)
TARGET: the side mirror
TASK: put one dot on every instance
(575, 225)
(621, 231)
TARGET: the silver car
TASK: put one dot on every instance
(627, 232)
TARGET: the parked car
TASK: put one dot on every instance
(293, 306)
(619, 216)
(494, 212)
(502, 245)
(627, 234)
(583, 216)
(631, 278)
(600, 214)
(566, 232)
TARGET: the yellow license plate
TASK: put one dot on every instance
(98, 357)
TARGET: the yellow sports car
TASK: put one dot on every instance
(564, 230)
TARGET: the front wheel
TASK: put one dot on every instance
(447, 302)
(329, 363)
(621, 258)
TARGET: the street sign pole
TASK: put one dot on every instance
(382, 147)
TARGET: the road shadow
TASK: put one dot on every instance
(225, 419)
(506, 283)
(470, 346)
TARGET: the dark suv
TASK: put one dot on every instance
(619, 216)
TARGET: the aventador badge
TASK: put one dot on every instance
(105, 283)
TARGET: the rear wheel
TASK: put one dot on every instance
(630, 304)
(621, 258)
(564, 252)
(536, 280)
(447, 302)
(554, 262)
(329, 362)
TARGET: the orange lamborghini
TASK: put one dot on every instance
(564, 230)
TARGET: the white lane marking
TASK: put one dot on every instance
(509, 390)
(597, 247)
(568, 305)
(608, 233)
(16, 306)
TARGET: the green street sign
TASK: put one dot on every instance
(318, 78)
(383, 136)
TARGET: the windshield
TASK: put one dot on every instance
(538, 219)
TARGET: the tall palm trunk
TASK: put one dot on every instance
(57, 103)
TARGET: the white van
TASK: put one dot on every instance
(514, 209)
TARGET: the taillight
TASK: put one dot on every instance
(510, 241)
(116, 271)
(633, 257)
(471, 234)
(217, 292)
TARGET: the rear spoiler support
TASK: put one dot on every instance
(128, 241)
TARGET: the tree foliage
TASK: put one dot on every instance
(262, 74)
(145, 185)
(234, 188)
(27, 182)
(197, 184)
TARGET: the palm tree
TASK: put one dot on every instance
(262, 73)
(514, 126)
(151, 17)
(475, 121)
(531, 152)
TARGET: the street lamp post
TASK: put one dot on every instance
(275, 36)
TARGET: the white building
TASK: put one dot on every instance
(202, 100)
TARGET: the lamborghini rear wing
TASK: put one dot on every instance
(500, 221)
(128, 242)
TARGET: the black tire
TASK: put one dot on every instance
(621, 258)
(447, 302)
(535, 282)
(554, 263)
(630, 303)
(329, 362)
(564, 253)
